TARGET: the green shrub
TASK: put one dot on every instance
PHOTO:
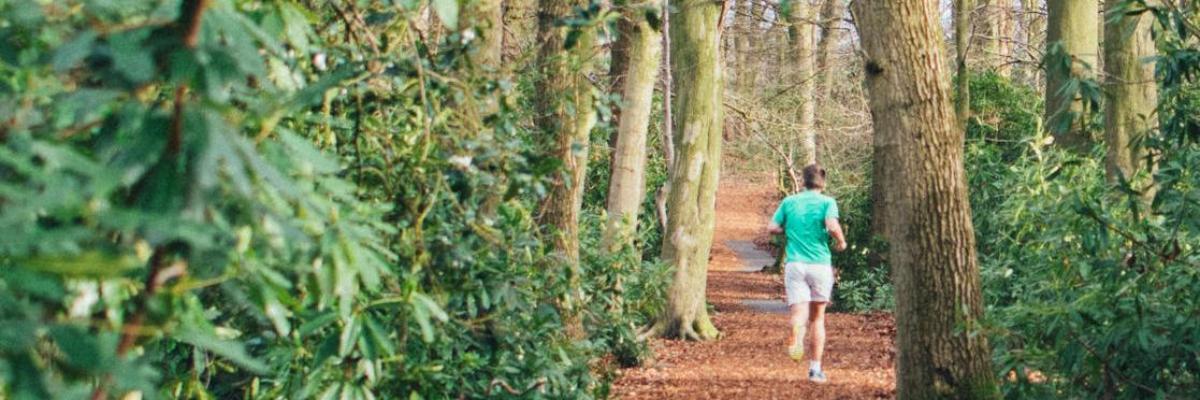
(352, 222)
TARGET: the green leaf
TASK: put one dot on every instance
(424, 308)
(89, 263)
(82, 349)
(131, 57)
(230, 350)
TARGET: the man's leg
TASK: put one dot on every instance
(816, 322)
(800, 316)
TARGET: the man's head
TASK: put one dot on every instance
(814, 177)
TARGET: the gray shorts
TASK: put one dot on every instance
(808, 282)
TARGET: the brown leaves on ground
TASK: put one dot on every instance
(749, 361)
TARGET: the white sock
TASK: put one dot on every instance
(814, 366)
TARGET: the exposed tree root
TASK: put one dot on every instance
(699, 328)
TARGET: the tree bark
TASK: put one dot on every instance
(800, 34)
(962, 41)
(641, 45)
(565, 117)
(1072, 25)
(696, 65)
(1130, 89)
(931, 241)
(488, 18)
(520, 25)
(831, 15)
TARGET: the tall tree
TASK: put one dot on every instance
(696, 66)
(1129, 87)
(831, 16)
(962, 42)
(1072, 51)
(929, 232)
(640, 42)
(800, 34)
(565, 117)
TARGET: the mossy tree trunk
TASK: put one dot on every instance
(1130, 89)
(800, 35)
(696, 66)
(831, 15)
(641, 44)
(565, 117)
(962, 41)
(488, 18)
(1072, 50)
(929, 233)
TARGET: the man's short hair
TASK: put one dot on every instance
(814, 177)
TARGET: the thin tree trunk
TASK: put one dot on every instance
(695, 60)
(565, 116)
(641, 43)
(753, 60)
(1033, 25)
(931, 241)
(1003, 18)
(800, 33)
(668, 138)
(1072, 25)
(1131, 91)
(962, 41)
(831, 15)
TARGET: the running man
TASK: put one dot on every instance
(809, 219)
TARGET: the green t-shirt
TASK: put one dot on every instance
(802, 217)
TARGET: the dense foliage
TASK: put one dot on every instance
(244, 199)
(1091, 287)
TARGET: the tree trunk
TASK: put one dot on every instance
(1003, 28)
(520, 24)
(831, 16)
(962, 41)
(641, 44)
(752, 59)
(800, 34)
(488, 17)
(1131, 91)
(1034, 26)
(565, 117)
(992, 32)
(1072, 25)
(931, 241)
(696, 64)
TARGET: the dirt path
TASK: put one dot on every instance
(749, 361)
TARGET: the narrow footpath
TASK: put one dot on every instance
(749, 361)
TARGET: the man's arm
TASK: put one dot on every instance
(835, 229)
(774, 228)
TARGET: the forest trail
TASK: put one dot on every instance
(749, 362)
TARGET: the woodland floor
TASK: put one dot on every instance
(749, 360)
